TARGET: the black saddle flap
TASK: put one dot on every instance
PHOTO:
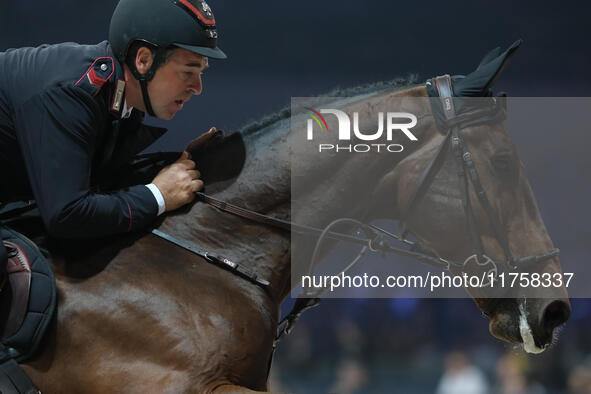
(32, 294)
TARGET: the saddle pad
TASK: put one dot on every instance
(42, 294)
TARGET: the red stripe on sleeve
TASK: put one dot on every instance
(130, 218)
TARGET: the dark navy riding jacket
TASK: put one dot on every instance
(62, 140)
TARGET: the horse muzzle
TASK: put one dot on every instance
(533, 322)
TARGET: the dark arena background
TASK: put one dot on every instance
(278, 50)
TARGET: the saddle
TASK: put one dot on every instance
(17, 279)
(27, 302)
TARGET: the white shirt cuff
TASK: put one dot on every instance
(158, 196)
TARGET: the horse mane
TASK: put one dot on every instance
(213, 156)
(373, 87)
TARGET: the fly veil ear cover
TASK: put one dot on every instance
(476, 84)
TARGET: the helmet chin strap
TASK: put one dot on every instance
(144, 85)
(143, 79)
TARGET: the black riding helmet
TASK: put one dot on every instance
(187, 24)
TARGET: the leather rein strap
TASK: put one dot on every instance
(215, 259)
(377, 243)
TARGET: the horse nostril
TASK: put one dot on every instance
(555, 314)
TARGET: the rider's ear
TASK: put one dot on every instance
(143, 60)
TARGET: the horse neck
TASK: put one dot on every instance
(319, 180)
(264, 186)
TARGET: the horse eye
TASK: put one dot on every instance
(502, 162)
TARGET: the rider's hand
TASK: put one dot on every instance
(178, 182)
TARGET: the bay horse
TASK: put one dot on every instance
(142, 315)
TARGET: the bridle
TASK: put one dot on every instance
(450, 123)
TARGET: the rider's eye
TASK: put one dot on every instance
(503, 162)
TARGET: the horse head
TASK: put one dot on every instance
(493, 216)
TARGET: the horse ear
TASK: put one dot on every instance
(489, 56)
(490, 68)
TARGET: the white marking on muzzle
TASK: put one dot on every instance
(529, 345)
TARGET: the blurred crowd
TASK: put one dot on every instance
(425, 346)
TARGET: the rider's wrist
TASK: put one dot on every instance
(159, 198)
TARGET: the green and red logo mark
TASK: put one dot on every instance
(315, 115)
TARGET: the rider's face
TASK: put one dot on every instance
(175, 82)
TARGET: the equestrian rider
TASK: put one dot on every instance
(71, 119)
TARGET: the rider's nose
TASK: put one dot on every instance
(196, 86)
